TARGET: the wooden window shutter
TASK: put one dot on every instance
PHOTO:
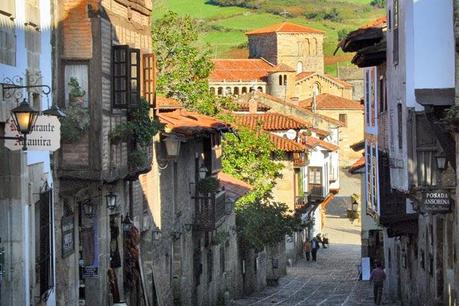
(45, 265)
(149, 78)
(134, 77)
(120, 76)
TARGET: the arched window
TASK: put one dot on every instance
(236, 91)
(280, 80)
(260, 89)
(212, 90)
(299, 67)
(244, 90)
(285, 80)
(307, 47)
(313, 47)
(228, 91)
(220, 91)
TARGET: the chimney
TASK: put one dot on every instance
(253, 104)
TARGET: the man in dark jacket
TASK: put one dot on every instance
(314, 247)
(377, 277)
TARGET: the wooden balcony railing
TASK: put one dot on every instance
(299, 160)
(210, 210)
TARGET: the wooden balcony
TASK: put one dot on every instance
(210, 210)
(299, 160)
(300, 203)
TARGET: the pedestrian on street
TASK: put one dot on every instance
(314, 247)
(321, 240)
(377, 277)
(307, 249)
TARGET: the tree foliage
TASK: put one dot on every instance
(264, 223)
(248, 156)
(183, 67)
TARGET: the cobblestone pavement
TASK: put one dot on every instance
(332, 280)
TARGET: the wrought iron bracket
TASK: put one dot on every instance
(11, 87)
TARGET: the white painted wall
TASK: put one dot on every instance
(433, 44)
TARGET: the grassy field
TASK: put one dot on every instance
(224, 27)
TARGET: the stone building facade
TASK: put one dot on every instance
(285, 60)
(102, 65)
(27, 274)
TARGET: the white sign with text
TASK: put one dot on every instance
(45, 135)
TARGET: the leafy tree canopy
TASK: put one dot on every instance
(183, 67)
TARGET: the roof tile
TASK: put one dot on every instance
(360, 163)
(235, 188)
(313, 142)
(271, 121)
(327, 101)
(240, 70)
(285, 27)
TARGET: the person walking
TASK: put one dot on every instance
(314, 247)
(321, 240)
(307, 249)
(377, 277)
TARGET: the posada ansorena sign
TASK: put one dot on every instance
(437, 201)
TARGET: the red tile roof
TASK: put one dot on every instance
(188, 124)
(313, 142)
(327, 101)
(319, 132)
(242, 106)
(169, 103)
(302, 109)
(360, 163)
(377, 23)
(271, 121)
(304, 75)
(286, 145)
(282, 68)
(285, 27)
(235, 188)
(240, 70)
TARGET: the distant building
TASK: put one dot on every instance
(285, 60)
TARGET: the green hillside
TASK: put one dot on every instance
(223, 28)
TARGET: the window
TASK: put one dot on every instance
(395, 33)
(222, 259)
(280, 80)
(76, 87)
(285, 80)
(44, 262)
(343, 119)
(367, 97)
(315, 181)
(400, 125)
(210, 265)
(299, 67)
(149, 78)
(389, 20)
(382, 95)
(126, 76)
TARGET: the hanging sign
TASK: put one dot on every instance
(437, 201)
(68, 241)
(45, 135)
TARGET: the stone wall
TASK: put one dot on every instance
(264, 46)
(353, 75)
(306, 48)
(304, 88)
(283, 189)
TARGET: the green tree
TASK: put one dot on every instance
(249, 157)
(183, 67)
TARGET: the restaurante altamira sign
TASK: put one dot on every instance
(45, 135)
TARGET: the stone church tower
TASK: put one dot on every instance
(297, 46)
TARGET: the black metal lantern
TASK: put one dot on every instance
(156, 234)
(89, 209)
(24, 117)
(54, 111)
(188, 227)
(203, 172)
(441, 161)
(111, 200)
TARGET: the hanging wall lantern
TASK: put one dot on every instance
(89, 209)
(111, 200)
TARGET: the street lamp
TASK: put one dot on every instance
(24, 118)
(54, 111)
(203, 172)
(441, 161)
(88, 209)
(172, 146)
(111, 200)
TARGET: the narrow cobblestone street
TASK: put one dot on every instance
(332, 280)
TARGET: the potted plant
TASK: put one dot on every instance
(208, 185)
(76, 93)
(75, 124)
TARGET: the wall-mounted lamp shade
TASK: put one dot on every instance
(441, 161)
(172, 146)
(156, 234)
(111, 200)
(203, 172)
(188, 227)
(54, 111)
(24, 117)
(89, 209)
